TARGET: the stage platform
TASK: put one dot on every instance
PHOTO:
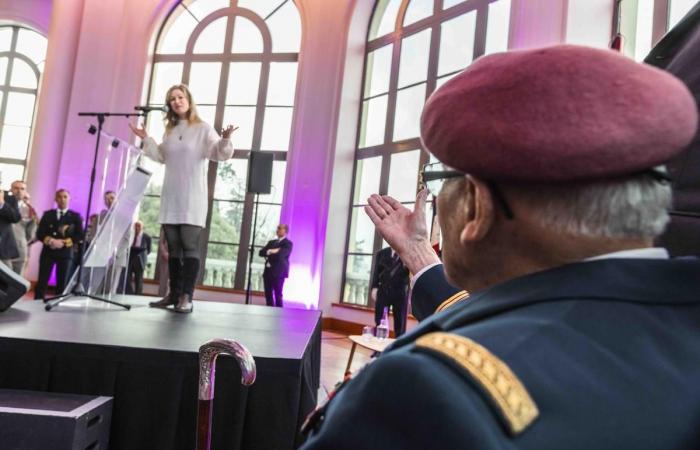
(147, 359)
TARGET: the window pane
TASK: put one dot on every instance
(277, 185)
(414, 58)
(244, 118)
(268, 219)
(373, 121)
(177, 32)
(440, 81)
(246, 37)
(22, 75)
(403, 176)
(450, 3)
(220, 266)
(5, 39)
(409, 104)
(243, 81)
(226, 219)
(148, 212)
(276, 128)
(285, 28)
(257, 268)
(211, 39)
(3, 70)
(155, 127)
(645, 19)
(20, 109)
(282, 84)
(15, 141)
(10, 173)
(206, 113)
(384, 19)
(204, 82)
(231, 179)
(361, 232)
(263, 8)
(31, 44)
(165, 75)
(498, 26)
(202, 8)
(378, 71)
(357, 274)
(367, 173)
(456, 43)
(677, 10)
(417, 10)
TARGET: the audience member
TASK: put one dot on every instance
(390, 288)
(60, 230)
(276, 253)
(9, 215)
(24, 230)
(140, 249)
(578, 334)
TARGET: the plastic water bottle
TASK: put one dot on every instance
(383, 327)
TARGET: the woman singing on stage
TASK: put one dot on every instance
(187, 145)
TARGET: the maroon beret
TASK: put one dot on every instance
(557, 114)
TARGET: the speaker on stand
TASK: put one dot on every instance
(259, 182)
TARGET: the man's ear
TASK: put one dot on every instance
(480, 208)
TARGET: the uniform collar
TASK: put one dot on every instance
(659, 281)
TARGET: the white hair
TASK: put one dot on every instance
(632, 207)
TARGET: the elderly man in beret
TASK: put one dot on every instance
(577, 333)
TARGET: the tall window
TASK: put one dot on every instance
(413, 47)
(22, 54)
(643, 22)
(239, 58)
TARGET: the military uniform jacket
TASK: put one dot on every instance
(390, 276)
(432, 293)
(594, 355)
(69, 229)
(9, 214)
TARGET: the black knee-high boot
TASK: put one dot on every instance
(190, 270)
(175, 278)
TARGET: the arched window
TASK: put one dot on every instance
(239, 58)
(644, 22)
(413, 47)
(22, 54)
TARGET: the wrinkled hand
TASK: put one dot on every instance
(228, 131)
(403, 229)
(58, 244)
(140, 132)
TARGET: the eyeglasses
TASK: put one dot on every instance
(433, 177)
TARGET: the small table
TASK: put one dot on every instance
(372, 343)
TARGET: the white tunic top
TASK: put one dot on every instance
(185, 151)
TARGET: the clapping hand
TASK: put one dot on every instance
(228, 131)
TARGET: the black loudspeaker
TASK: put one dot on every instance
(260, 172)
(12, 287)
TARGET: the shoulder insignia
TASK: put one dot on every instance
(461, 295)
(510, 398)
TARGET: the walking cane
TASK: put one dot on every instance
(207, 371)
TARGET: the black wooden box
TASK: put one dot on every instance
(31, 420)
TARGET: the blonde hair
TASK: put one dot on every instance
(171, 118)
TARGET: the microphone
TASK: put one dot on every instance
(149, 108)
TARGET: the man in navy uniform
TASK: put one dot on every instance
(390, 288)
(276, 253)
(60, 230)
(577, 334)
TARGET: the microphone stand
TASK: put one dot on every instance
(248, 291)
(78, 290)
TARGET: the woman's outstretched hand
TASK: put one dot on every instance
(140, 132)
(228, 131)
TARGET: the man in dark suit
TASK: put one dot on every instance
(60, 230)
(9, 214)
(140, 249)
(276, 253)
(390, 288)
(578, 333)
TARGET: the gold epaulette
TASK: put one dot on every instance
(461, 295)
(68, 242)
(507, 394)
